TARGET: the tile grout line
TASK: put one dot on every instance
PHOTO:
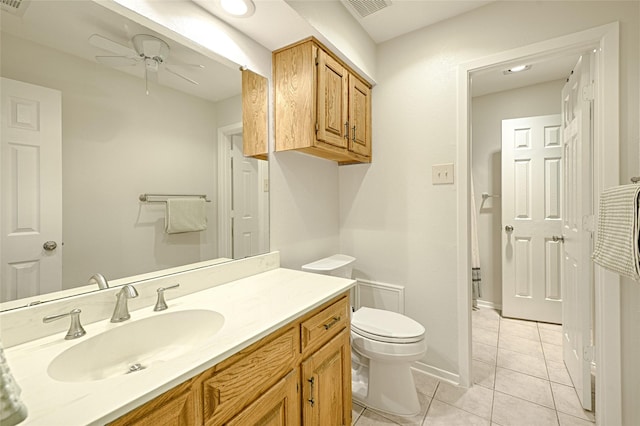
(546, 365)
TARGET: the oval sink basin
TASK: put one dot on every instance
(136, 345)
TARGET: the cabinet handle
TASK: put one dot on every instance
(354, 133)
(331, 323)
(346, 130)
(311, 382)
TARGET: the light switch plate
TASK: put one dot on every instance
(442, 174)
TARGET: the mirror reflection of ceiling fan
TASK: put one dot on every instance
(147, 49)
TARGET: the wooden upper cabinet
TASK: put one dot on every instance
(360, 117)
(333, 92)
(255, 125)
(322, 107)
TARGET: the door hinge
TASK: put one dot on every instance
(317, 127)
(588, 353)
(588, 93)
(588, 223)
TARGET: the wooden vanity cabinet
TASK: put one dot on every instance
(176, 407)
(299, 374)
(322, 107)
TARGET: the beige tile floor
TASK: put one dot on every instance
(519, 380)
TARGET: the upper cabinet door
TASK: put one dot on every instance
(255, 106)
(332, 112)
(360, 117)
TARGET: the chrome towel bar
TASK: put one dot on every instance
(145, 198)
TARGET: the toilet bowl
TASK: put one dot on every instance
(384, 344)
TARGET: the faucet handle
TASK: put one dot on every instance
(161, 304)
(75, 329)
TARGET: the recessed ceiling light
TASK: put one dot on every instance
(238, 8)
(516, 69)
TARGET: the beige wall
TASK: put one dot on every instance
(401, 228)
(487, 114)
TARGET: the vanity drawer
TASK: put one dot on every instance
(322, 326)
(247, 375)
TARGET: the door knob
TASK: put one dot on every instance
(556, 238)
(50, 245)
(508, 228)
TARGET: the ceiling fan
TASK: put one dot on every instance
(147, 49)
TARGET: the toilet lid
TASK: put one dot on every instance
(386, 326)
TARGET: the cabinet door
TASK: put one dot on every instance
(332, 111)
(326, 384)
(279, 406)
(255, 107)
(243, 378)
(359, 117)
(176, 407)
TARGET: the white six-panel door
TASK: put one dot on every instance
(531, 218)
(246, 222)
(577, 228)
(31, 183)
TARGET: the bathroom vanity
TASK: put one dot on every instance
(304, 368)
(281, 355)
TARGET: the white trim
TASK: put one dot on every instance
(489, 305)
(606, 172)
(389, 288)
(447, 376)
(225, 236)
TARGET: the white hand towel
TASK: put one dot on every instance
(185, 215)
(12, 410)
(619, 231)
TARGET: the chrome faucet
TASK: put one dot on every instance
(161, 304)
(100, 280)
(75, 329)
(121, 311)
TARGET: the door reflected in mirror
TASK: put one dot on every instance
(97, 110)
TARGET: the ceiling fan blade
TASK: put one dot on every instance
(181, 76)
(186, 65)
(104, 43)
(117, 61)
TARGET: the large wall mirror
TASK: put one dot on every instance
(97, 111)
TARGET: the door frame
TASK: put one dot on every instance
(605, 38)
(225, 193)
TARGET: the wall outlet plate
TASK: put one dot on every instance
(442, 174)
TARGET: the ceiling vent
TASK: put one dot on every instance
(365, 8)
(14, 7)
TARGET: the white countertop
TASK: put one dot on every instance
(253, 307)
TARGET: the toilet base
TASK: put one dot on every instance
(386, 387)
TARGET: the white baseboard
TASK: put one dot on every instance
(439, 374)
(490, 305)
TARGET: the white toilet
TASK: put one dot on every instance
(383, 344)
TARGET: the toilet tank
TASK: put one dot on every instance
(338, 265)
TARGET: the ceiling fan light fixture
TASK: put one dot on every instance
(149, 46)
(238, 8)
(516, 69)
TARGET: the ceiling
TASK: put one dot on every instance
(276, 23)
(67, 25)
(404, 16)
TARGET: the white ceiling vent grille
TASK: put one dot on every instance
(365, 8)
(15, 7)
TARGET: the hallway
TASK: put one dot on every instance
(519, 379)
